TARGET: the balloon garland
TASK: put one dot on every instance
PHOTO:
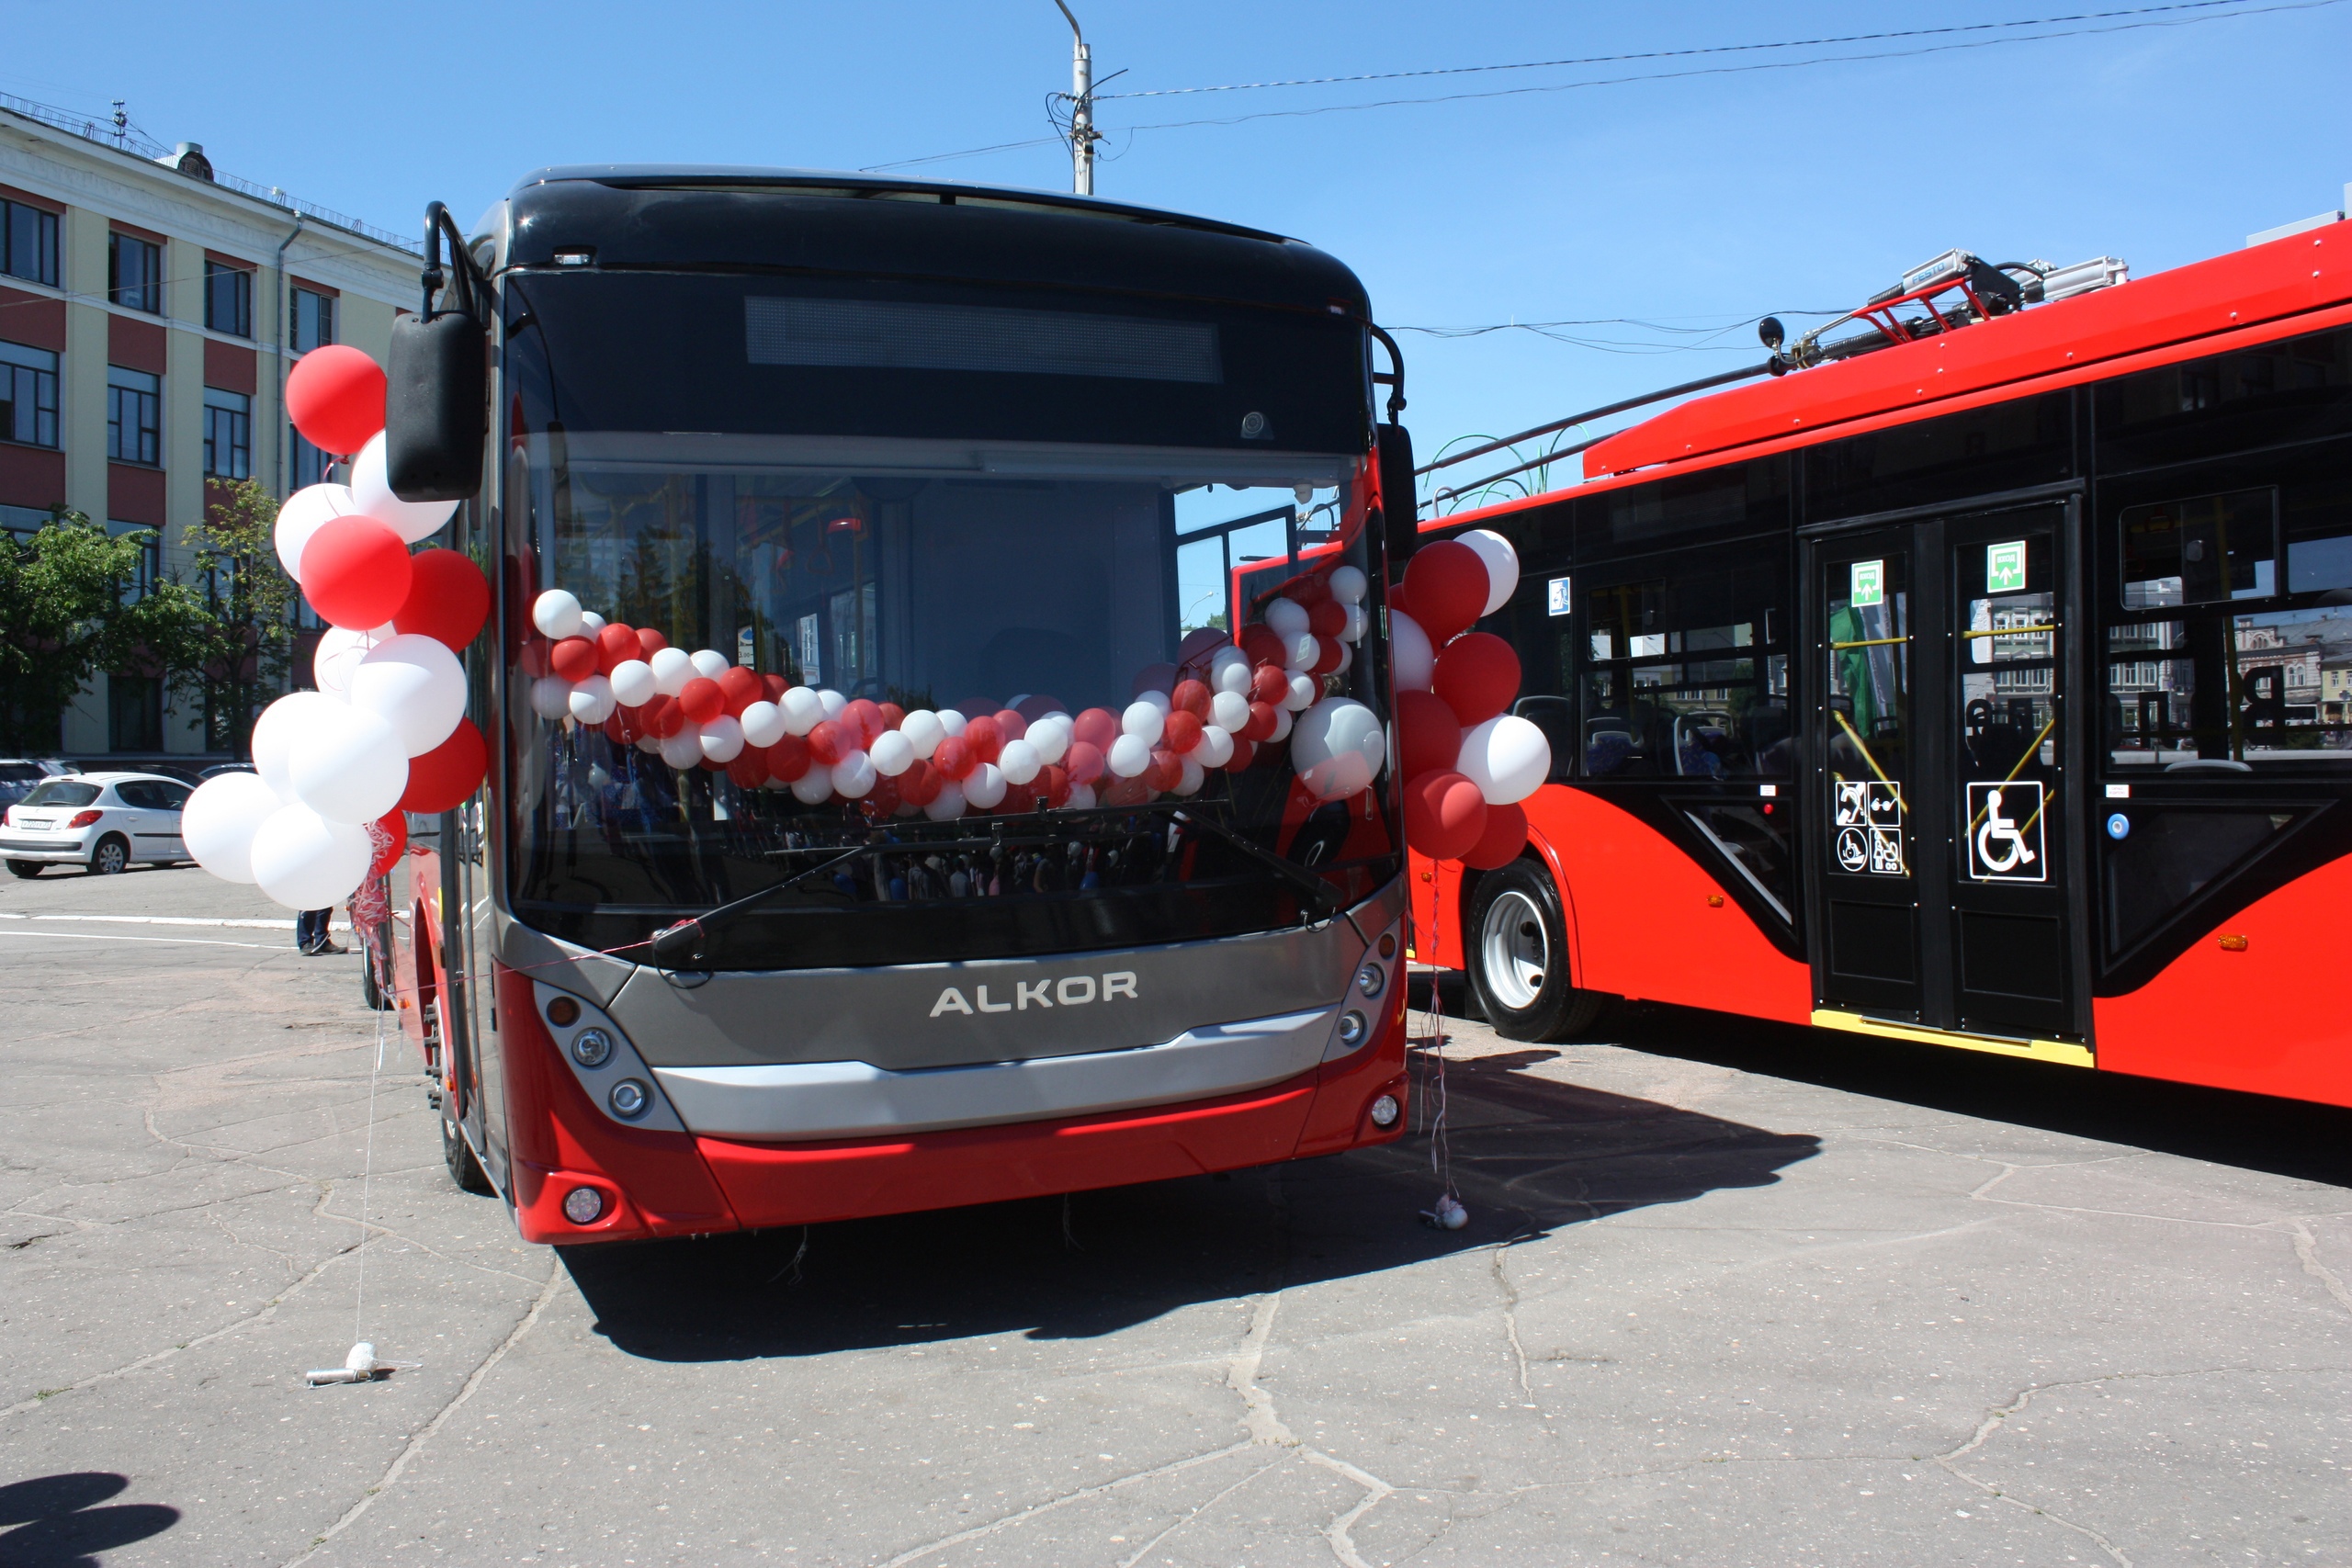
(385, 732)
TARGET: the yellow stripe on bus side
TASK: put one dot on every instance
(2061, 1052)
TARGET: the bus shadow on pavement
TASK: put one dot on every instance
(54, 1521)
(1528, 1155)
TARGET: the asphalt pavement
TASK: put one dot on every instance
(1729, 1295)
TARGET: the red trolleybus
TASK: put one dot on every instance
(866, 440)
(1990, 689)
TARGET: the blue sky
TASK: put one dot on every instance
(1694, 202)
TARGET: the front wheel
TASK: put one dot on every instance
(28, 869)
(1519, 957)
(458, 1156)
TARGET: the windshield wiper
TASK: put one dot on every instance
(683, 940)
(1325, 897)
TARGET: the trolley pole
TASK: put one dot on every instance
(1082, 135)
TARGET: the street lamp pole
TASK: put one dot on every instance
(1082, 134)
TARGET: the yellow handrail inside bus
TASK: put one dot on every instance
(1860, 746)
(1867, 642)
(2031, 747)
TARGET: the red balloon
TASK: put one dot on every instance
(663, 718)
(1396, 603)
(1448, 582)
(866, 714)
(1009, 724)
(1262, 645)
(448, 599)
(702, 699)
(445, 777)
(831, 739)
(984, 739)
(772, 687)
(1444, 813)
(893, 716)
(881, 800)
(334, 395)
(1244, 753)
(1311, 589)
(355, 573)
(739, 688)
(1328, 618)
(1270, 684)
(1097, 727)
(1429, 736)
(709, 766)
(614, 645)
(1328, 652)
(1505, 836)
(626, 727)
(749, 768)
(1084, 761)
(1052, 783)
(1165, 770)
(531, 659)
(1261, 722)
(390, 833)
(1181, 731)
(954, 758)
(918, 786)
(1127, 792)
(1477, 674)
(1191, 696)
(651, 641)
(574, 659)
(787, 759)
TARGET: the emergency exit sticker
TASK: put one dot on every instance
(2005, 567)
(1868, 583)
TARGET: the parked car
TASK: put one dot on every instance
(19, 774)
(101, 822)
(217, 769)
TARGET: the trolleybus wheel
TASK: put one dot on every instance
(369, 991)
(458, 1156)
(1519, 967)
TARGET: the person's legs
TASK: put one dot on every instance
(310, 929)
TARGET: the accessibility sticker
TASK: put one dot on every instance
(2005, 835)
(1869, 820)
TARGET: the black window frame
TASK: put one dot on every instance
(29, 243)
(147, 407)
(144, 292)
(321, 308)
(230, 429)
(228, 299)
(44, 392)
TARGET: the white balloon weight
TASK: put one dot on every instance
(1130, 755)
(591, 702)
(947, 805)
(722, 740)
(633, 683)
(551, 696)
(763, 722)
(1349, 584)
(1019, 761)
(893, 753)
(220, 819)
(349, 766)
(556, 613)
(1502, 565)
(985, 787)
(1409, 653)
(340, 651)
(672, 668)
(305, 861)
(416, 682)
(300, 517)
(412, 520)
(1507, 758)
(275, 732)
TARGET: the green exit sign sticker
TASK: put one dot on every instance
(1868, 583)
(2005, 567)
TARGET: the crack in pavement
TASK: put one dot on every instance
(2307, 1254)
(1062, 1501)
(1144, 1551)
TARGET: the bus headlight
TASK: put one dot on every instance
(1385, 1112)
(592, 1048)
(1352, 1029)
(583, 1205)
(629, 1099)
(1369, 979)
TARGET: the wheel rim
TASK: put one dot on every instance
(1513, 951)
(111, 859)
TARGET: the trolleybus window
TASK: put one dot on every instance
(1683, 672)
(2008, 446)
(2252, 398)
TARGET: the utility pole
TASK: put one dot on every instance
(1082, 134)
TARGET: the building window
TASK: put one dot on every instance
(306, 465)
(134, 416)
(28, 395)
(228, 434)
(313, 324)
(228, 299)
(134, 713)
(135, 273)
(142, 578)
(29, 243)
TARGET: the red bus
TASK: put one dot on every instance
(864, 442)
(1991, 689)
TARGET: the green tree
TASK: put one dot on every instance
(245, 642)
(69, 611)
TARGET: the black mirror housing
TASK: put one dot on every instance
(436, 407)
(1399, 516)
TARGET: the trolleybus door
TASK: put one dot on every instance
(1940, 863)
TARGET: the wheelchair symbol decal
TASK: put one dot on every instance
(2005, 832)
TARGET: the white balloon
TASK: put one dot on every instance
(1410, 654)
(1301, 651)
(1130, 755)
(1502, 565)
(763, 721)
(985, 787)
(649, 744)
(1358, 624)
(1193, 777)
(892, 752)
(1286, 618)
(814, 787)
(1161, 700)
(1349, 584)
(412, 520)
(556, 613)
(218, 822)
(1146, 722)
(300, 518)
(1019, 761)
(275, 732)
(551, 696)
(722, 739)
(305, 861)
(1216, 748)
(947, 805)
(1082, 798)
(1507, 758)
(340, 651)
(854, 774)
(1229, 710)
(709, 663)
(684, 750)
(952, 720)
(1230, 671)
(1347, 656)
(633, 683)
(1306, 691)
(592, 703)
(924, 732)
(672, 668)
(348, 765)
(802, 711)
(1051, 735)
(1283, 722)
(833, 701)
(416, 682)
(591, 624)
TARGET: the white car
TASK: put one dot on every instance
(100, 822)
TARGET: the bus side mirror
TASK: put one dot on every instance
(436, 407)
(1399, 514)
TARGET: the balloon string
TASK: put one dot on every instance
(367, 1174)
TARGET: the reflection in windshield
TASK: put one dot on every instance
(1003, 683)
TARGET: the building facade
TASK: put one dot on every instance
(150, 309)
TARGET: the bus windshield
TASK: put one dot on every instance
(955, 579)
